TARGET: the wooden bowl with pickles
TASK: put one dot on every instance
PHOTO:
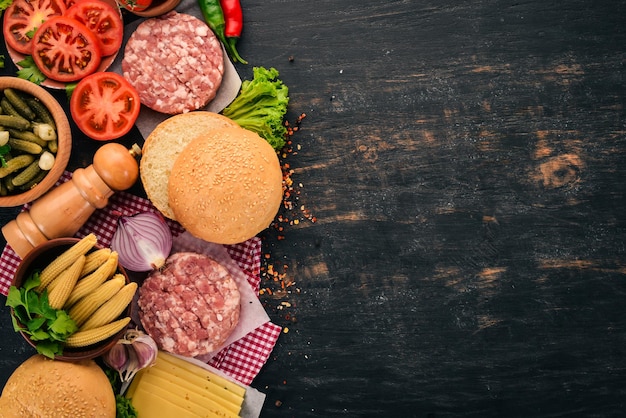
(71, 299)
(35, 141)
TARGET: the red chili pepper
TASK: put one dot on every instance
(233, 16)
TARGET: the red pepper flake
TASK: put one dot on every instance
(276, 283)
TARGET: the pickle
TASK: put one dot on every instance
(27, 174)
(27, 136)
(53, 146)
(41, 110)
(13, 121)
(19, 104)
(16, 163)
(35, 181)
(8, 184)
(25, 146)
(7, 107)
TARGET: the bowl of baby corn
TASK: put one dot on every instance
(35, 141)
(71, 299)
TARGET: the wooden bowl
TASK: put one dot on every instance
(64, 140)
(40, 257)
(157, 8)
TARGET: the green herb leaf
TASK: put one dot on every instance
(14, 297)
(35, 323)
(32, 315)
(49, 348)
(29, 71)
(62, 326)
(4, 4)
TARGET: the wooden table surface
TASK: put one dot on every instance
(456, 241)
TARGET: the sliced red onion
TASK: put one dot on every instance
(143, 241)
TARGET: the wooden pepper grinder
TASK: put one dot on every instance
(63, 211)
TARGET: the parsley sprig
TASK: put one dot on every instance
(48, 328)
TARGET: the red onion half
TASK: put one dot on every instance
(143, 241)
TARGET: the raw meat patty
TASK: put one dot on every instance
(175, 62)
(190, 306)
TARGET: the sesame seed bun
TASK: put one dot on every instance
(163, 145)
(226, 185)
(41, 387)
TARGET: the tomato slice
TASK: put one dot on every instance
(103, 20)
(104, 106)
(135, 5)
(65, 50)
(22, 18)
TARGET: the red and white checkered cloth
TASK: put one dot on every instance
(244, 358)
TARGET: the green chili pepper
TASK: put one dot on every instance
(214, 17)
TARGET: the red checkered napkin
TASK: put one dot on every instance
(244, 358)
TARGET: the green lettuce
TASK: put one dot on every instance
(261, 106)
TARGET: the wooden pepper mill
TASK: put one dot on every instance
(64, 210)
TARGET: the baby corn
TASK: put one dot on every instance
(65, 260)
(95, 335)
(91, 282)
(94, 260)
(64, 283)
(111, 309)
(84, 308)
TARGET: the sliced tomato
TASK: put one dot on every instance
(104, 106)
(65, 50)
(23, 17)
(103, 19)
(135, 5)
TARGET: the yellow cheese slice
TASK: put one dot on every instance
(188, 383)
(205, 374)
(185, 398)
(168, 395)
(174, 387)
(151, 405)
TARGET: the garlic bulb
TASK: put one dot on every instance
(133, 352)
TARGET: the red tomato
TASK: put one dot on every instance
(105, 106)
(103, 20)
(22, 18)
(135, 5)
(65, 50)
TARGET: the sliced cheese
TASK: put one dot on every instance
(174, 387)
(185, 398)
(189, 383)
(169, 395)
(151, 405)
(205, 374)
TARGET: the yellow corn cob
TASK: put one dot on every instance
(83, 309)
(65, 260)
(111, 309)
(64, 283)
(93, 336)
(53, 283)
(94, 260)
(91, 282)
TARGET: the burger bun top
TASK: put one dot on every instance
(226, 185)
(41, 387)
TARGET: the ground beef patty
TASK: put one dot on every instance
(175, 62)
(190, 306)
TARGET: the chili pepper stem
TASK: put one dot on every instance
(232, 50)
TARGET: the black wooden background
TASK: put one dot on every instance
(456, 241)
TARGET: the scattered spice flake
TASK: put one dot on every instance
(276, 284)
